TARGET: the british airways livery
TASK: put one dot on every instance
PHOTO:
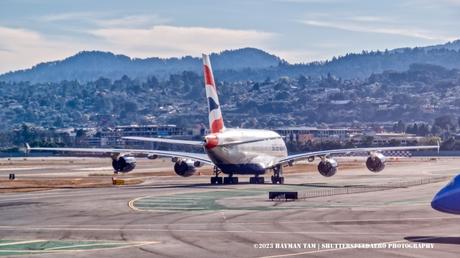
(236, 151)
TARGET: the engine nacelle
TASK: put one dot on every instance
(375, 162)
(185, 168)
(327, 167)
(124, 164)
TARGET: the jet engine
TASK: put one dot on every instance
(186, 168)
(327, 167)
(123, 164)
(375, 162)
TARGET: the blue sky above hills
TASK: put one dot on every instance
(296, 30)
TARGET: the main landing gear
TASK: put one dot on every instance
(217, 180)
(256, 180)
(278, 175)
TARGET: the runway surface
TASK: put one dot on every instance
(170, 216)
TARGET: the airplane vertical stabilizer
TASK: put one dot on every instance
(216, 122)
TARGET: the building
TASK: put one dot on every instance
(113, 136)
(391, 139)
(302, 135)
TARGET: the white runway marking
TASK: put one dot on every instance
(85, 245)
(123, 246)
(46, 197)
(22, 242)
(223, 215)
(94, 169)
(25, 168)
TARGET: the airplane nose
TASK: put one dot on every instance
(211, 141)
(447, 204)
(437, 204)
(448, 198)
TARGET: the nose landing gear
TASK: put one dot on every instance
(216, 179)
(278, 175)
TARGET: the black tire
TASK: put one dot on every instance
(235, 180)
(252, 180)
(281, 180)
(219, 180)
(274, 180)
(260, 180)
(213, 181)
(227, 180)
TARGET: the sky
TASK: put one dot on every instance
(299, 31)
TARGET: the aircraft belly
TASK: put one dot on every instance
(248, 158)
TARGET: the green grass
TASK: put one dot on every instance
(48, 246)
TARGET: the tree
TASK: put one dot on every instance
(399, 127)
(368, 141)
(130, 106)
(446, 123)
(24, 135)
(423, 130)
(303, 81)
(412, 129)
(448, 144)
(435, 130)
(152, 82)
(80, 133)
(103, 83)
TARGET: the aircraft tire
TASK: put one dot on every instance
(281, 180)
(215, 180)
(260, 180)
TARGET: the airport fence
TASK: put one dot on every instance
(353, 189)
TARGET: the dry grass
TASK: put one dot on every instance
(40, 184)
(104, 179)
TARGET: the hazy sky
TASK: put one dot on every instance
(296, 30)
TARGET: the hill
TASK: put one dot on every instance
(91, 65)
(235, 65)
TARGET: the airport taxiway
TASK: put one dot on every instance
(169, 216)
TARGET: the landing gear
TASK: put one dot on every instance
(230, 180)
(216, 179)
(278, 175)
(256, 180)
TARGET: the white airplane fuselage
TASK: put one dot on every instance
(258, 150)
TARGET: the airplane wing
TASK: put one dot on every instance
(165, 140)
(302, 156)
(194, 143)
(170, 154)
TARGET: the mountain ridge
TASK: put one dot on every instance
(234, 65)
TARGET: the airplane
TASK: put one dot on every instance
(235, 151)
(448, 198)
